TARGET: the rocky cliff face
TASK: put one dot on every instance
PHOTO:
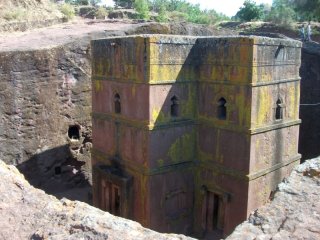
(294, 212)
(45, 124)
(29, 213)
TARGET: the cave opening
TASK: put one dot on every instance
(74, 132)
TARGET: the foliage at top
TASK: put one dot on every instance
(306, 9)
(83, 2)
(142, 8)
(249, 11)
(28, 10)
(68, 11)
(282, 12)
(124, 3)
(181, 10)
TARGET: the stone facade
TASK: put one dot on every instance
(192, 134)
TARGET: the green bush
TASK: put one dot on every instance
(124, 3)
(249, 11)
(86, 11)
(15, 14)
(176, 16)
(101, 13)
(281, 13)
(141, 6)
(77, 2)
(162, 15)
(183, 11)
(68, 11)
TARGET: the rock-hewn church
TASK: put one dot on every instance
(191, 134)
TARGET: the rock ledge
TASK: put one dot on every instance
(294, 212)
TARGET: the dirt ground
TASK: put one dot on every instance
(68, 32)
(58, 34)
(264, 27)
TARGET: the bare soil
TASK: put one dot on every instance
(265, 27)
(58, 34)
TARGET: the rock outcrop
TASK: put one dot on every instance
(294, 213)
(29, 213)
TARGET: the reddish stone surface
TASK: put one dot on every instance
(198, 143)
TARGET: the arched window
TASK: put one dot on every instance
(174, 110)
(117, 103)
(279, 110)
(222, 109)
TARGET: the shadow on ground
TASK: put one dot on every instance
(58, 173)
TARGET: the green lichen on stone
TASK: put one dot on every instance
(204, 156)
(183, 149)
(159, 117)
(160, 162)
(189, 106)
(98, 85)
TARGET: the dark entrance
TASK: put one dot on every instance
(74, 132)
(213, 211)
(110, 198)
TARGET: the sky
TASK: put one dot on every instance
(228, 7)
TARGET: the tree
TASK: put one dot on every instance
(157, 4)
(78, 2)
(306, 9)
(124, 3)
(266, 9)
(249, 11)
(142, 8)
(162, 15)
(95, 2)
(83, 2)
(281, 12)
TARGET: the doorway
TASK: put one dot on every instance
(110, 198)
(213, 212)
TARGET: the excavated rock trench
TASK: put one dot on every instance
(45, 91)
(45, 124)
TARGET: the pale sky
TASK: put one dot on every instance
(228, 7)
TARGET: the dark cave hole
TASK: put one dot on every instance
(74, 132)
(57, 170)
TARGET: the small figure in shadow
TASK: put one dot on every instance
(309, 32)
(302, 33)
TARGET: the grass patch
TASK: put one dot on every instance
(68, 11)
(28, 10)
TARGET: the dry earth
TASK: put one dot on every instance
(57, 35)
(69, 32)
(27, 10)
